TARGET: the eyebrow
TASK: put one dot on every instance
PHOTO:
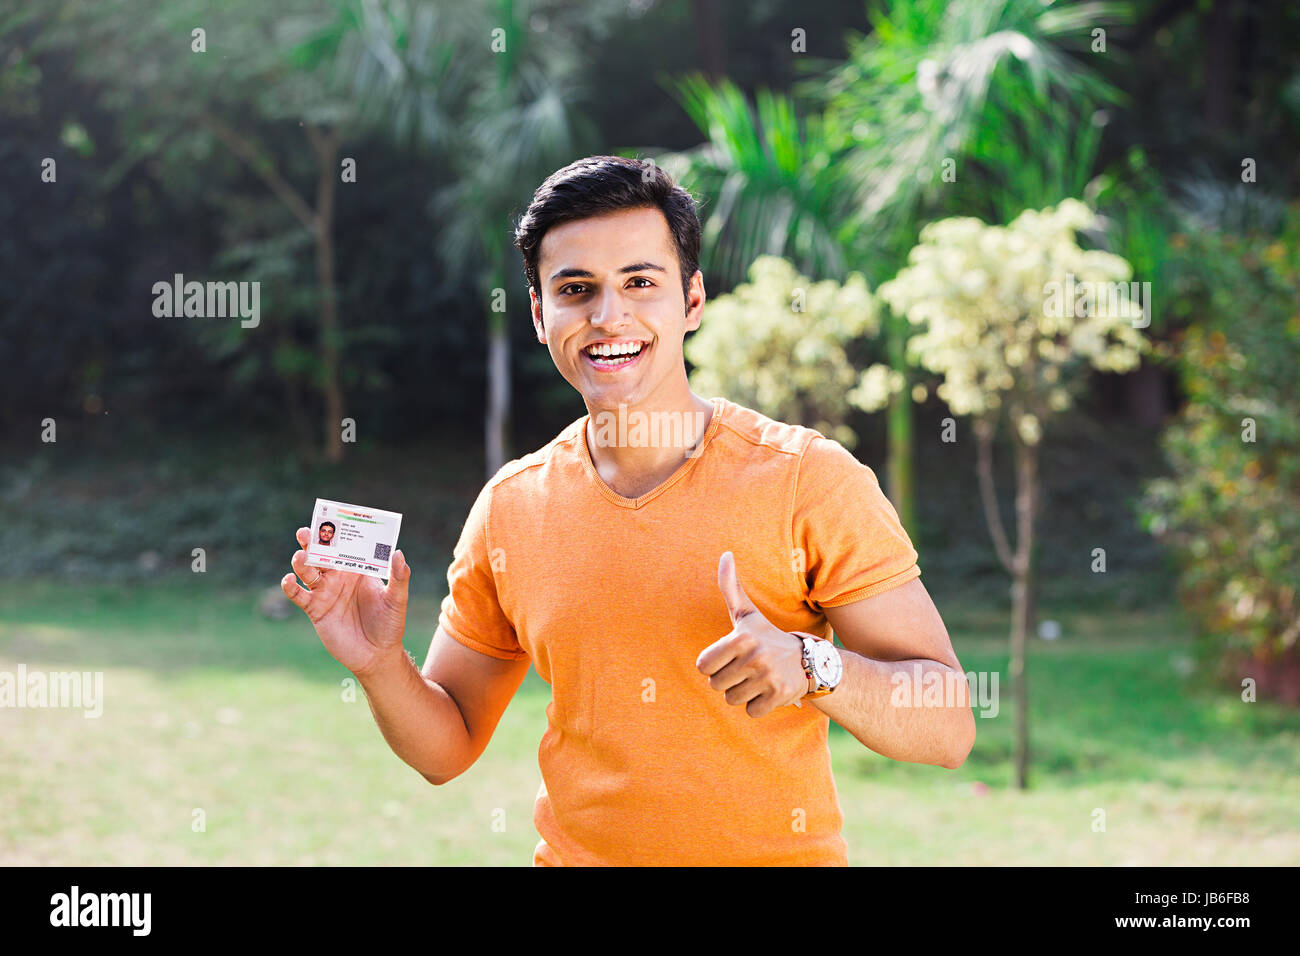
(584, 274)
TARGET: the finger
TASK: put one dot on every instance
(399, 579)
(717, 655)
(746, 691)
(311, 577)
(729, 676)
(294, 591)
(302, 535)
(738, 603)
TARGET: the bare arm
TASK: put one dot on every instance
(888, 639)
(440, 720)
(896, 641)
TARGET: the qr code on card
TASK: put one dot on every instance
(382, 551)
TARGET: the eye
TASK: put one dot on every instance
(581, 287)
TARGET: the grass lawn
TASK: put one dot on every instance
(210, 706)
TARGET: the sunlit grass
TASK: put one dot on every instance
(209, 706)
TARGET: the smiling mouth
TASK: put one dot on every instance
(615, 355)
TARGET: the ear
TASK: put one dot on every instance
(695, 302)
(535, 306)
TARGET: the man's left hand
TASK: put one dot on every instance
(757, 664)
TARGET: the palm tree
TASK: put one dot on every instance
(382, 66)
(771, 183)
(933, 75)
(521, 122)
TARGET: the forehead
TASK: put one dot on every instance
(609, 240)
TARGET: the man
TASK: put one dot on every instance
(675, 595)
(325, 535)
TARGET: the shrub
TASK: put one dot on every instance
(778, 344)
(1231, 511)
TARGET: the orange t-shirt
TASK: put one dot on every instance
(614, 598)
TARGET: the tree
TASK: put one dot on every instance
(1230, 510)
(523, 121)
(768, 182)
(229, 73)
(846, 186)
(920, 96)
(1009, 317)
(774, 184)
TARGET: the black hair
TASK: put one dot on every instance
(324, 523)
(601, 184)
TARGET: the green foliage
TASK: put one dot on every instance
(1231, 512)
(940, 81)
(523, 117)
(135, 509)
(778, 344)
(769, 182)
(1140, 222)
(1031, 151)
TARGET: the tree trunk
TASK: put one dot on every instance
(984, 432)
(1022, 598)
(496, 421)
(899, 465)
(709, 38)
(1220, 47)
(1144, 391)
(496, 424)
(298, 427)
(325, 145)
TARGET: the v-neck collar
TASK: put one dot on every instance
(682, 471)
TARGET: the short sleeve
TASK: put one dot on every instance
(471, 612)
(853, 544)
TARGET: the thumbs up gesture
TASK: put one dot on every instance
(756, 664)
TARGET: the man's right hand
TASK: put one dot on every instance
(358, 619)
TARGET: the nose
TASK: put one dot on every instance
(610, 309)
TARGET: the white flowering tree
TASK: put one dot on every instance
(1010, 317)
(777, 343)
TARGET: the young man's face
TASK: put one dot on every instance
(615, 279)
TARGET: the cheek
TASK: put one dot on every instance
(560, 329)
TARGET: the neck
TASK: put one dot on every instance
(635, 448)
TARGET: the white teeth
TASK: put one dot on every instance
(607, 349)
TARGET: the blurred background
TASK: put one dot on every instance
(364, 162)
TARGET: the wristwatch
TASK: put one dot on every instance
(821, 662)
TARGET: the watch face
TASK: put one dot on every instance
(827, 664)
